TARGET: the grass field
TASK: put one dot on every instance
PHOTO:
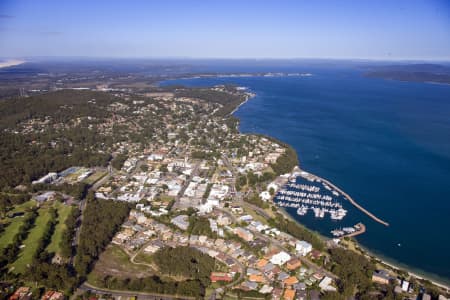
(63, 213)
(26, 254)
(12, 228)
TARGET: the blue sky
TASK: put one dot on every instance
(397, 29)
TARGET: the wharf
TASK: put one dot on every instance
(361, 230)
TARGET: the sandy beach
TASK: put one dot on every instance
(10, 63)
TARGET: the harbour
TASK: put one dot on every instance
(307, 192)
(382, 163)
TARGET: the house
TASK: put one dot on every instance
(22, 293)
(261, 263)
(53, 295)
(243, 234)
(289, 294)
(301, 295)
(381, 277)
(237, 210)
(265, 196)
(280, 258)
(325, 284)
(293, 264)
(300, 286)
(256, 278)
(223, 220)
(291, 280)
(426, 297)
(266, 289)
(246, 218)
(303, 248)
(268, 268)
(251, 271)
(276, 294)
(181, 221)
(283, 276)
(316, 254)
(405, 285)
(249, 285)
(218, 276)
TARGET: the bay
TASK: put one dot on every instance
(386, 143)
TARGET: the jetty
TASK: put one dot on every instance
(361, 230)
(350, 199)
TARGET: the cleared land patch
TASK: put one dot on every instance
(114, 261)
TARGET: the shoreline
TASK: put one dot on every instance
(367, 252)
(11, 63)
(249, 96)
(383, 260)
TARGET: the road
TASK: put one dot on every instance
(185, 185)
(116, 294)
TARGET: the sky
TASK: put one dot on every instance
(338, 29)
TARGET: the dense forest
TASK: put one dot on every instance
(228, 100)
(186, 262)
(286, 162)
(354, 271)
(61, 106)
(200, 226)
(297, 231)
(68, 233)
(28, 155)
(101, 220)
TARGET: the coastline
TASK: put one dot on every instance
(11, 63)
(242, 103)
(382, 260)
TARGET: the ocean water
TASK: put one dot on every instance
(386, 143)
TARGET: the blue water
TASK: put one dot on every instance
(386, 143)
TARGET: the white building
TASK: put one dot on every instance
(405, 285)
(280, 258)
(265, 195)
(181, 221)
(325, 284)
(303, 248)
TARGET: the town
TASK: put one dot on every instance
(176, 172)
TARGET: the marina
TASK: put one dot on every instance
(308, 192)
(313, 196)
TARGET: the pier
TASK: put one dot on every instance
(361, 230)
(350, 199)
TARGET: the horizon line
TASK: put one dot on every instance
(30, 58)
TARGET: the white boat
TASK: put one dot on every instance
(302, 210)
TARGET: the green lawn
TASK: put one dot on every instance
(12, 228)
(26, 254)
(63, 213)
(10, 232)
(24, 206)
